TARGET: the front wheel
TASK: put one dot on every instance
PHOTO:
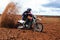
(38, 27)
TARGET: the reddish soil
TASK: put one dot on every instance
(51, 31)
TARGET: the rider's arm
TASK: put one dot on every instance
(34, 17)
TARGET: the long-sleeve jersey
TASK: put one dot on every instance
(25, 14)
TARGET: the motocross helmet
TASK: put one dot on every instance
(29, 9)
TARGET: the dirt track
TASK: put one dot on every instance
(51, 32)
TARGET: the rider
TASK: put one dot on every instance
(28, 17)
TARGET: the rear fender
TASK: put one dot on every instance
(21, 21)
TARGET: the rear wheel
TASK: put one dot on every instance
(38, 27)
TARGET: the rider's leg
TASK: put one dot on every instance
(31, 22)
(28, 23)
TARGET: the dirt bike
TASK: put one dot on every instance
(36, 26)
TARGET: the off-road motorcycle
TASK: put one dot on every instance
(36, 25)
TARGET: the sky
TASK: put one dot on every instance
(39, 7)
(3, 4)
